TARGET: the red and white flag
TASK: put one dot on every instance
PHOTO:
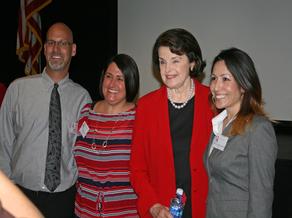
(29, 38)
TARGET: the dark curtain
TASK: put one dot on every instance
(94, 25)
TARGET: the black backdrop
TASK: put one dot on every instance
(94, 25)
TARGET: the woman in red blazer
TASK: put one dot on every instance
(172, 129)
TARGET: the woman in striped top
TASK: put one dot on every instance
(103, 146)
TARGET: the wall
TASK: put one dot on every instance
(262, 28)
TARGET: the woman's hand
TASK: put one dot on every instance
(160, 211)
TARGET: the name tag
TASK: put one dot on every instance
(219, 142)
(84, 129)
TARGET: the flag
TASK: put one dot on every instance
(29, 38)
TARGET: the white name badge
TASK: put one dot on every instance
(219, 142)
(84, 129)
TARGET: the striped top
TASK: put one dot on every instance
(102, 153)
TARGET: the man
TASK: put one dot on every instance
(25, 128)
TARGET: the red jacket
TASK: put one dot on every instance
(152, 163)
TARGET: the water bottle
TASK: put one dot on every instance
(176, 204)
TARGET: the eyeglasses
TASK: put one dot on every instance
(62, 44)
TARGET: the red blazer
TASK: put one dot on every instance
(152, 163)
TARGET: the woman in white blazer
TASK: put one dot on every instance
(240, 158)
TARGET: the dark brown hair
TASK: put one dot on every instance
(180, 42)
(242, 68)
(129, 68)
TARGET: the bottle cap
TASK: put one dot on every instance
(179, 191)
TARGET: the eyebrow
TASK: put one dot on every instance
(176, 57)
(223, 74)
(119, 75)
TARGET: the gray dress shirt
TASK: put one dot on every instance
(24, 129)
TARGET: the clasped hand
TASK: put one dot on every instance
(160, 211)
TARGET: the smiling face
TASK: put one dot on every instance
(227, 94)
(59, 48)
(113, 86)
(174, 69)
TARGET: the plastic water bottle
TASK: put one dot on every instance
(176, 204)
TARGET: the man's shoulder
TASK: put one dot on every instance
(77, 90)
(25, 81)
(29, 78)
(75, 85)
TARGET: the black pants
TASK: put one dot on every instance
(53, 205)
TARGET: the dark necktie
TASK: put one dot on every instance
(53, 161)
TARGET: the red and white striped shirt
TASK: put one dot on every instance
(102, 157)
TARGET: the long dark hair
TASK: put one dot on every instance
(242, 68)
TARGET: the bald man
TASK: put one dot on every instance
(24, 127)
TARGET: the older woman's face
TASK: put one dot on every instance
(174, 69)
(226, 92)
(113, 86)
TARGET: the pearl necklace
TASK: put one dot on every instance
(180, 106)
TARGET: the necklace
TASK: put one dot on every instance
(191, 92)
(228, 121)
(104, 144)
